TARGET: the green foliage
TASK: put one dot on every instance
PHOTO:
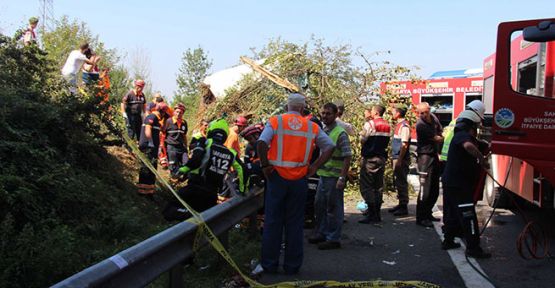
(64, 202)
(324, 74)
(194, 68)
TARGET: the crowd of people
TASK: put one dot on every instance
(296, 148)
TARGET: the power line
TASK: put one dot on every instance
(46, 14)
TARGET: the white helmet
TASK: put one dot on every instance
(470, 115)
(478, 107)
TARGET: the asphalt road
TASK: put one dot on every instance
(400, 250)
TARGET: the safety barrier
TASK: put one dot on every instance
(143, 263)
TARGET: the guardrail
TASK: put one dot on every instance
(141, 264)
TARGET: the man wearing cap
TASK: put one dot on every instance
(284, 148)
(428, 133)
(132, 107)
(460, 179)
(29, 36)
(176, 140)
(232, 141)
(401, 160)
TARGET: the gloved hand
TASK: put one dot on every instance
(184, 170)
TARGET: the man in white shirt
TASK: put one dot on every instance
(73, 64)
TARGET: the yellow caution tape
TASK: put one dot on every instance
(215, 242)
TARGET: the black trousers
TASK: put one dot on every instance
(311, 197)
(196, 196)
(177, 156)
(134, 123)
(459, 216)
(371, 180)
(400, 179)
(147, 179)
(429, 182)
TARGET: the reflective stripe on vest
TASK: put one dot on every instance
(448, 133)
(291, 145)
(397, 141)
(332, 168)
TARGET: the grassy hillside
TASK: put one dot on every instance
(66, 200)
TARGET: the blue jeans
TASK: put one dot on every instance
(284, 212)
(329, 209)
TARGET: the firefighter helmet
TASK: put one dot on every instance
(478, 107)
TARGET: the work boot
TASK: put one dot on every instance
(401, 211)
(328, 245)
(449, 244)
(394, 208)
(370, 217)
(316, 239)
(424, 223)
(477, 253)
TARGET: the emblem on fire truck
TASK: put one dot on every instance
(504, 118)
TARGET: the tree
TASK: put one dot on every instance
(194, 68)
(140, 68)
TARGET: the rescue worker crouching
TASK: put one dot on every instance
(209, 162)
(253, 169)
(461, 175)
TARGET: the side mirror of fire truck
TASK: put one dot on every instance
(543, 32)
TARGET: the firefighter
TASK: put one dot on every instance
(232, 141)
(375, 140)
(401, 160)
(176, 140)
(284, 148)
(149, 143)
(477, 107)
(459, 180)
(210, 161)
(251, 159)
(132, 108)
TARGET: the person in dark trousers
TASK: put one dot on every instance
(401, 160)
(428, 133)
(209, 163)
(176, 140)
(149, 143)
(333, 178)
(284, 148)
(132, 108)
(461, 175)
(375, 139)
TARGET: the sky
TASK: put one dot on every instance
(433, 35)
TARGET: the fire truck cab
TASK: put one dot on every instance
(519, 94)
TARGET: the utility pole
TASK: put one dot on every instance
(46, 15)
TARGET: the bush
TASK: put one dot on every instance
(64, 201)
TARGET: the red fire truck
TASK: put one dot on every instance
(520, 96)
(447, 92)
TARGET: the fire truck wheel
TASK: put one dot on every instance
(495, 196)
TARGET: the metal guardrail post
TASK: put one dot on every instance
(176, 276)
(141, 264)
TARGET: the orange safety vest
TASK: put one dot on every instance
(291, 145)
